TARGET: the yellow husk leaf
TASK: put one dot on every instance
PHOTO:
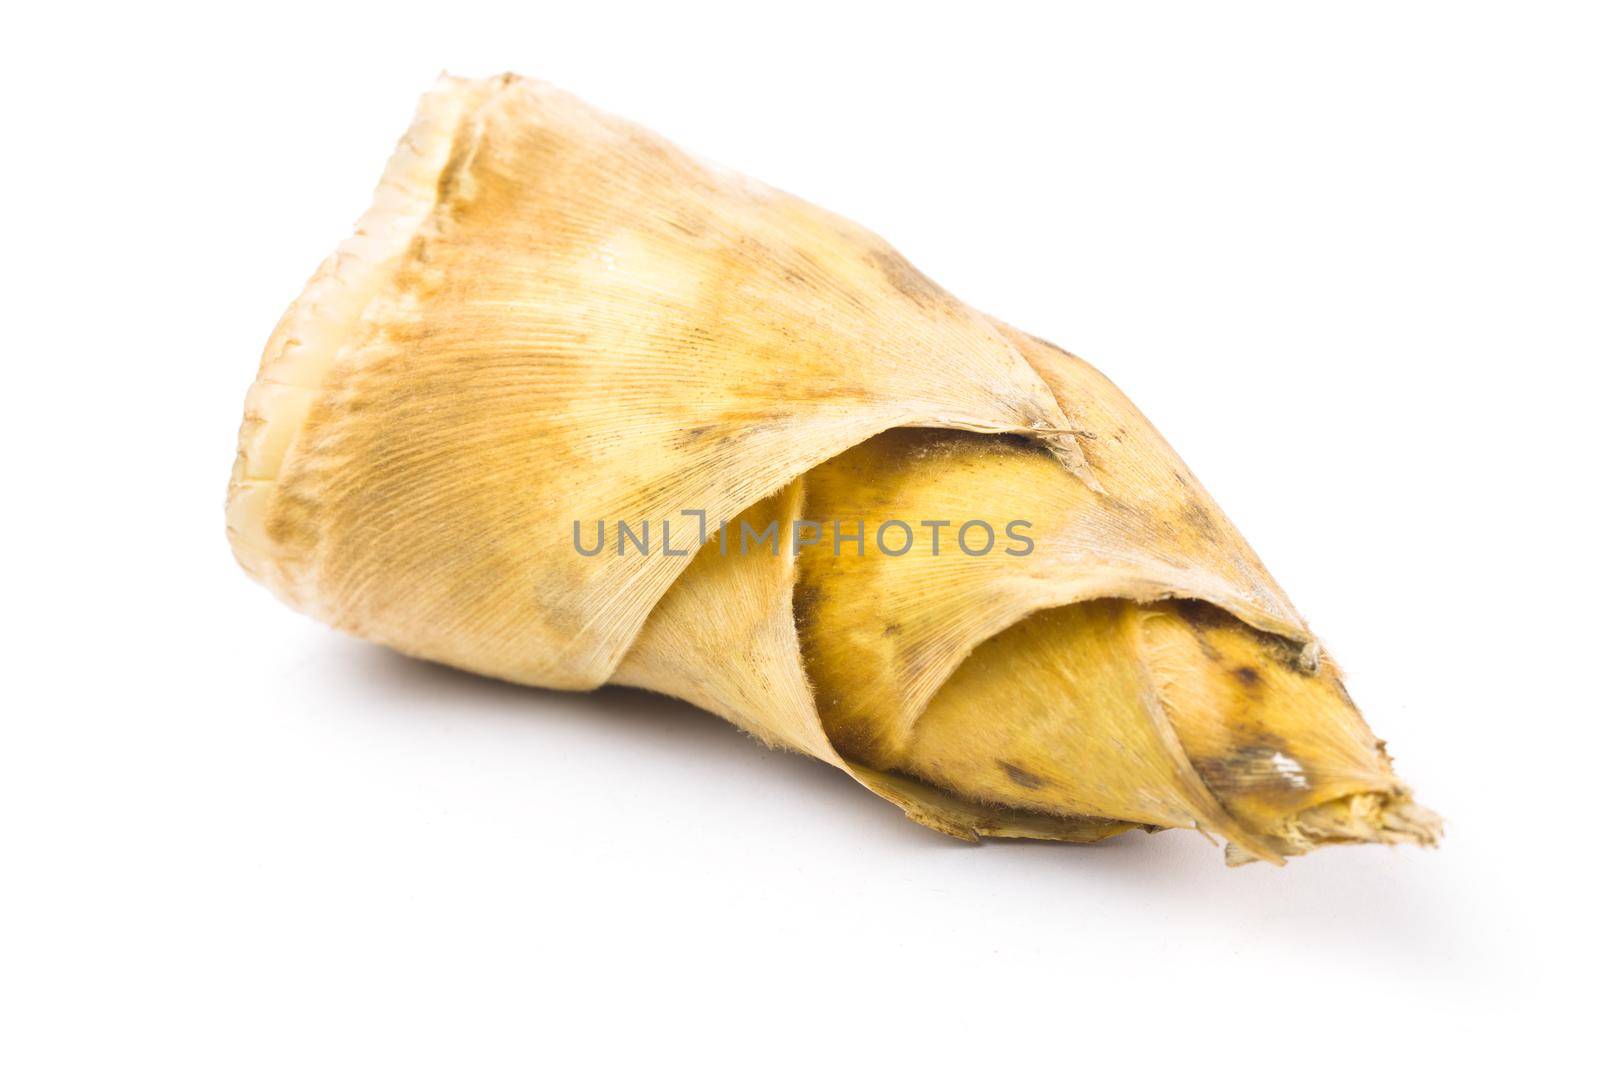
(552, 316)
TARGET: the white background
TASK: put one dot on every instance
(1348, 261)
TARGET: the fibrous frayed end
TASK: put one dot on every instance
(1361, 818)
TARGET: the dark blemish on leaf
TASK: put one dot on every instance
(1239, 770)
(1201, 520)
(892, 629)
(723, 439)
(1252, 764)
(462, 148)
(805, 598)
(1121, 508)
(1020, 776)
(910, 281)
(798, 280)
(687, 226)
(1247, 676)
(691, 434)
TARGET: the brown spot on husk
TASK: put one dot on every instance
(1020, 776)
(910, 281)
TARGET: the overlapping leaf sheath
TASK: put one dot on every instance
(551, 316)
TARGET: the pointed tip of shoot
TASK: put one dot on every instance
(1362, 818)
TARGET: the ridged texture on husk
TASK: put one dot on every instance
(551, 315)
